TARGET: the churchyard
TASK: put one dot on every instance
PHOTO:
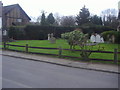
(64, 45)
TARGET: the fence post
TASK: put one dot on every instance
(4, 45)
(60, 51)
(26, 48)
(115, 56)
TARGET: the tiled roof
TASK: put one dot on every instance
(8, 8)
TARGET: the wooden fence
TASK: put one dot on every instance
(115, 52)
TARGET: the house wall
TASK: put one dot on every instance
(0, 15)
(16, 17)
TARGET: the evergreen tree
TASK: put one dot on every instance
(83, 16)
(96, 20)
(43, 19)
(50, 19)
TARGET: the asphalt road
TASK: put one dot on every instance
(20, 73)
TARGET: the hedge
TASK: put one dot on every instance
(41, 32)
(16, 32)
(110, 33)
(37, 32)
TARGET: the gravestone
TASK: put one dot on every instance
(51, 38)
(96, 38)
(93, 38)
(5, 32)
(102, 40)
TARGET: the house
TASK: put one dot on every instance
(14, 15)
(0, 15)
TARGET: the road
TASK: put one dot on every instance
(20, 73)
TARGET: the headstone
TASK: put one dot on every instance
(52, 40)
(102, 40)
(96, 38)
(49, 37)
(5, 32)
(93, 38)
(113, 39)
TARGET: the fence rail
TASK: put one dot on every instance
(115, 52)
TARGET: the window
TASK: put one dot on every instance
(19, 20)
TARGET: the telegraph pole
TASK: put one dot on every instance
(1, 7)
(118, 28)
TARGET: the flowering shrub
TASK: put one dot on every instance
(76, 37)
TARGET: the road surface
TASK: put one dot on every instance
(20, 73)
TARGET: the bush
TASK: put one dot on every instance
(37, 32)
(41, 32)
(108, 34)
(74, 38)
(16, 33)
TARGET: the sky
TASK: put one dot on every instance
(63, 7)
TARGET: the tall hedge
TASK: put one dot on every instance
(37, 32)
(41, 32)
(16, 32)
(95, 28)
(110, 33)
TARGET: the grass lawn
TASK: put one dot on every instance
(64, 45)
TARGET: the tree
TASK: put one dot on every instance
(57, 19)
(96, 20)
(43, 19)
(83, 16)
(76, 37)
(67, 21)
(110, 18)
(50, 19)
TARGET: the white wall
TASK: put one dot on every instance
(0, 15)
(0, 44)
(0, 23)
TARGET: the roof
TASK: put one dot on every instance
(8, 8)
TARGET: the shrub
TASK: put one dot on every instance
(108, 35)
(41, 32)
(76, 37)
(16, 33)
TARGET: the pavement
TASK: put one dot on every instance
(110, 68)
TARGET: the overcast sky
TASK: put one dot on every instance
(63, 7)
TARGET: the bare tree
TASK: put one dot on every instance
(109, 17)
(68, 21)
(57, 19)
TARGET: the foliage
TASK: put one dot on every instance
(108, 34)
(16, 33)
(50, 19)
(96, 20)
(67, 21)
(110, 18)
(43, 20)
(76, 37)
(37, 32)
(83, 16)
(73, 37)
(90, 28)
